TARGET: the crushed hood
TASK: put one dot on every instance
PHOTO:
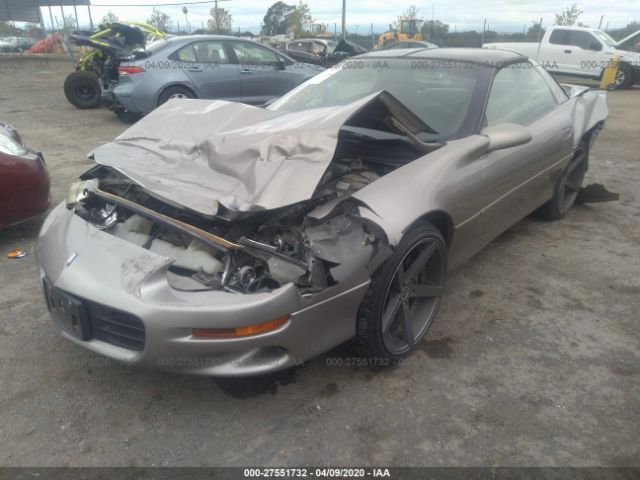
(201, 154)
(629, 37)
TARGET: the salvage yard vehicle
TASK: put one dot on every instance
(409, 29)
(581, 52)
(218, 238)
(323, 52)
(97, 70)
(24, 180)
(15, 44)
(310, 50)
(408, 44)
(207, 66)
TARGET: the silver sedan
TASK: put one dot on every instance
(206, 66)
(217, 238)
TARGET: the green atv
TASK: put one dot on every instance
(97, 69)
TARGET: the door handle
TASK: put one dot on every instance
(195, 69)
(246, 71)
(567, 51)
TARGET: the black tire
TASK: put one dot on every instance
(383, 334)
(82, 89)
(568, 185)
(624, 77)
(175, 92)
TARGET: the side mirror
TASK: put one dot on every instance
(595, 46)
(506, 135)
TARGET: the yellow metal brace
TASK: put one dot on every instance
(609, 75)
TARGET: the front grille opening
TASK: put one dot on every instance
(116, 327)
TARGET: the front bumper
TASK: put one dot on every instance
(101, 269)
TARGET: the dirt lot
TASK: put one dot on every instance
(534, 359)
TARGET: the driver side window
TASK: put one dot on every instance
(585, 41)
(518, 95)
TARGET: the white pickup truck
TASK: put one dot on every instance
(580, 51)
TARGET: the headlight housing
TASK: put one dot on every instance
(79, 190)
(11, 147)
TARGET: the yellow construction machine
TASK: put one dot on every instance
(409, 29)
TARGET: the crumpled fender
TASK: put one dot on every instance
(590, 109)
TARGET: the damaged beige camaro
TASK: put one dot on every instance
(217, 238)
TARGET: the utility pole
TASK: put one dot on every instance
(373, 38)
(216, 15)
(540, 32)
(344, 19)
(600, 24)
(185, 10)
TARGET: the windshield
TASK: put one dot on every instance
(439, 92)
(605, 38)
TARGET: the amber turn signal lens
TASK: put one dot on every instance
(239, 331)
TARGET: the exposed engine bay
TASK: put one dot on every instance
(243, 252)
(248, 209)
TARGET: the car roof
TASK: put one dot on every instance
(185, 39)
(472, 55)
(571, 27)
(191, 38)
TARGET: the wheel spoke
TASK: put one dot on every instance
(577, 162)
(562, 189)
(400, 276)
(391, 312)
(427, 290)
(420, 262)
(573, 184)
(407, 324)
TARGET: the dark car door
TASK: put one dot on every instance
(263, 75)
(208, 66)
(519, 179)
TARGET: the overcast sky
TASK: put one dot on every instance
(502, 15)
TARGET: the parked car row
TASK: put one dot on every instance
(130, 75)
(206, 66)
(225, 68)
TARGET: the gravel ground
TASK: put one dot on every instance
(533, 360)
